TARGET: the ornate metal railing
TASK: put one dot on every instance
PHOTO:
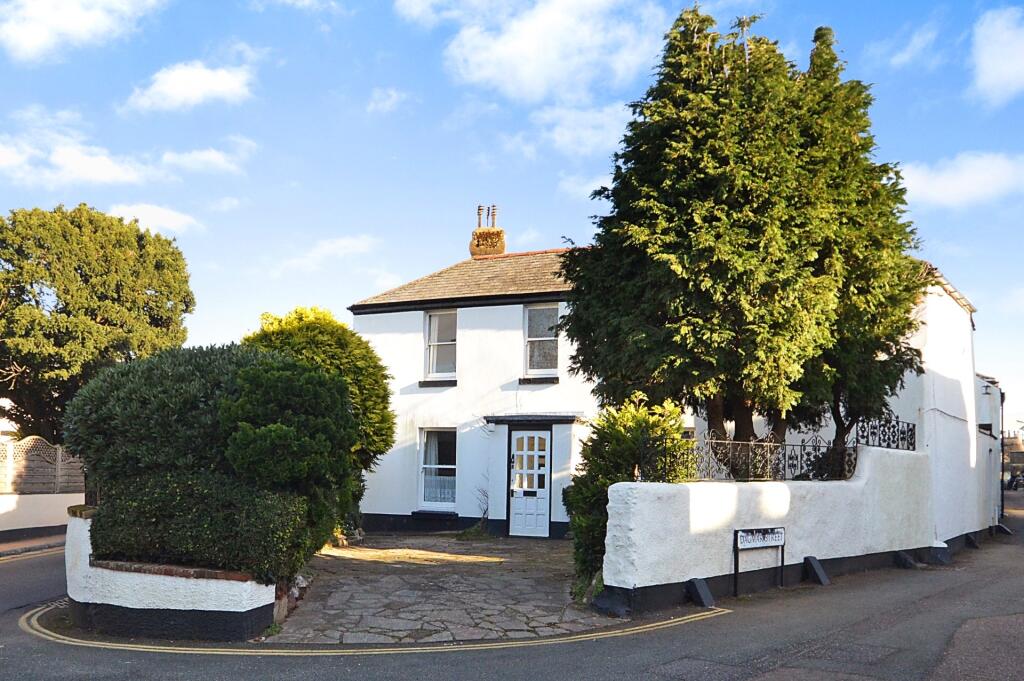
(811, 458)
(887, 433)
(765, 459)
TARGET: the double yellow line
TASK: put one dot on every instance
(29, 623)
(31, 554)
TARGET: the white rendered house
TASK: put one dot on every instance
(489, 419)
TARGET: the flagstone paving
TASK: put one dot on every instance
(431, 588)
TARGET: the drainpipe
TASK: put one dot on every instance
(1002, 455)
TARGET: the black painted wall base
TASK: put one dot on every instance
(190, 625)
(620, 601)
(32, 532)
(436, 521)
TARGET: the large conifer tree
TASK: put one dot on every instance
(748, 226)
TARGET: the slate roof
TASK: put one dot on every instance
(483, 280)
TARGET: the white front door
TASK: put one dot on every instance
(529, 482)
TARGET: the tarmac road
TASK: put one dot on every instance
(964, 622)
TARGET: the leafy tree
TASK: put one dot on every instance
(748, 225)
(313, 336)
(80, 290)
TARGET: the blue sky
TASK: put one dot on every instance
(310, 152)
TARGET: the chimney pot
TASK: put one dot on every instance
(489, 240)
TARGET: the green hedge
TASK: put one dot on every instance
(203, 519)
(158, 413)
(272, 435)
(632, 443)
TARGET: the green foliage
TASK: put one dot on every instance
(203, 519)
(292, 431)
(261, 420)
(632, 443)
(82, 290)
(749, 225)
(313, 336)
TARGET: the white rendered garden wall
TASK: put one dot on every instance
(661, 533)
(93, 585)
(29, 511)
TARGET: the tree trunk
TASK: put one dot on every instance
(744, 416)
(716, 418)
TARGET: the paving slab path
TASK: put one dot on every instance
(430, 588)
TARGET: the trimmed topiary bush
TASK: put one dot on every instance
(158, 413)
(203, 519)
(632, 443)
(260, 424)
(313, 336)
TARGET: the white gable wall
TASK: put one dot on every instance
(490, 351)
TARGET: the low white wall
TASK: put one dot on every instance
(661, 533)
(24, 511)
(87, 584)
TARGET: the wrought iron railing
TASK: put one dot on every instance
(887, 433)
(765, 459)
(811, 458)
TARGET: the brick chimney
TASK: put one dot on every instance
(487, 239)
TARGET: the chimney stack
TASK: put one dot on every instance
(487, 239)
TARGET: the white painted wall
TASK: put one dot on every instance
(87, 584)
(24, 511)
(661, 533)
(490, 347)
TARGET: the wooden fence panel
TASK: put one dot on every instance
(34, 466)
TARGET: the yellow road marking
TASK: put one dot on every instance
(32, 554)
(29, 623)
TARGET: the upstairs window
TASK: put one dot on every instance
(441, 344)
(541, 340)
(438, 470)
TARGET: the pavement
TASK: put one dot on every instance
(962, 622)
(435, 588)
(16, 546)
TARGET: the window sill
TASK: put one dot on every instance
(538, 380)
(432, 513)
(439, 383)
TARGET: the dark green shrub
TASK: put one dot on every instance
(631, 443)
(313, 336)
(158, 413)
(262, 421)
(202, 519)
(293, 432)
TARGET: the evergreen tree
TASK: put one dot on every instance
(749, 227)
(81, 290)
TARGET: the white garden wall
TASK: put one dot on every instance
(26, 511)
(92, 585)
(662, 533)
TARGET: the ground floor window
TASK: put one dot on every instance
(438, 469)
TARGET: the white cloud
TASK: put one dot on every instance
(225, 204)
(385, 100)
(381, 279)
(32, 30)
(997, 55)
(580, 187)
(212, 160)
(519, 144)
(966, 179)
(548, 49)
(324, 250)
(156, 218)
(186, 85)
(583, 132)
(920, 46)
(49, 149)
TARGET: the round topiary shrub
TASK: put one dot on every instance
(313, 336)
(635, 442)
(160, 436)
